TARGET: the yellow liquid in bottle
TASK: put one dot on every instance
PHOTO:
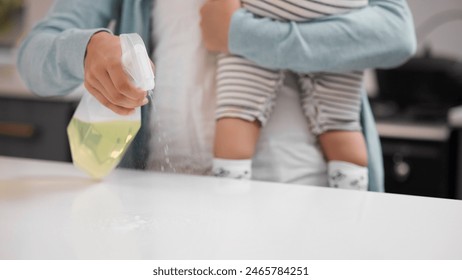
(98, 147)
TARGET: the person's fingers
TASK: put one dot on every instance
(101, 81)
(96, 78)
(105, 77)
(116, 97)
(123, 84)
(92, 84)
(93, 89)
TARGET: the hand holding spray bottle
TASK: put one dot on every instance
(98, 137)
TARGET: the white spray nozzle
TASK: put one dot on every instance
(136, 61)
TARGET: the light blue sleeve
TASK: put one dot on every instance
(380, 35)
(51, 57)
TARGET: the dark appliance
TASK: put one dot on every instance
(418, 95)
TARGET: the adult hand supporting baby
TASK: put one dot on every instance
(215, 22)
(105, 78)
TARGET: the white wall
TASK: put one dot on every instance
(37, 9)
(447, 39)
(10, 83)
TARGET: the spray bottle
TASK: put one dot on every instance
(98, 137)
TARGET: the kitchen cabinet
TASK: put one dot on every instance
(35, 128)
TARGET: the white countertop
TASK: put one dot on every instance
(50, 210)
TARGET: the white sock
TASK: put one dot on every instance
(346, 175)
(232, 168)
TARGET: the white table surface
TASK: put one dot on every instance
(50, 210)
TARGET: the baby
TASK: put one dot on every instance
(331, 101)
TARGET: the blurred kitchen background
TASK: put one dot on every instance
(416, 105)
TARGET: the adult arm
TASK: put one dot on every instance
(380, 35)
(51, 58)
(67, 48)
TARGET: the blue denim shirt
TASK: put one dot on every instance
(51, 57)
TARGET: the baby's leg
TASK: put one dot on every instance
(332, 103)
(245, 98)
(346, 154)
